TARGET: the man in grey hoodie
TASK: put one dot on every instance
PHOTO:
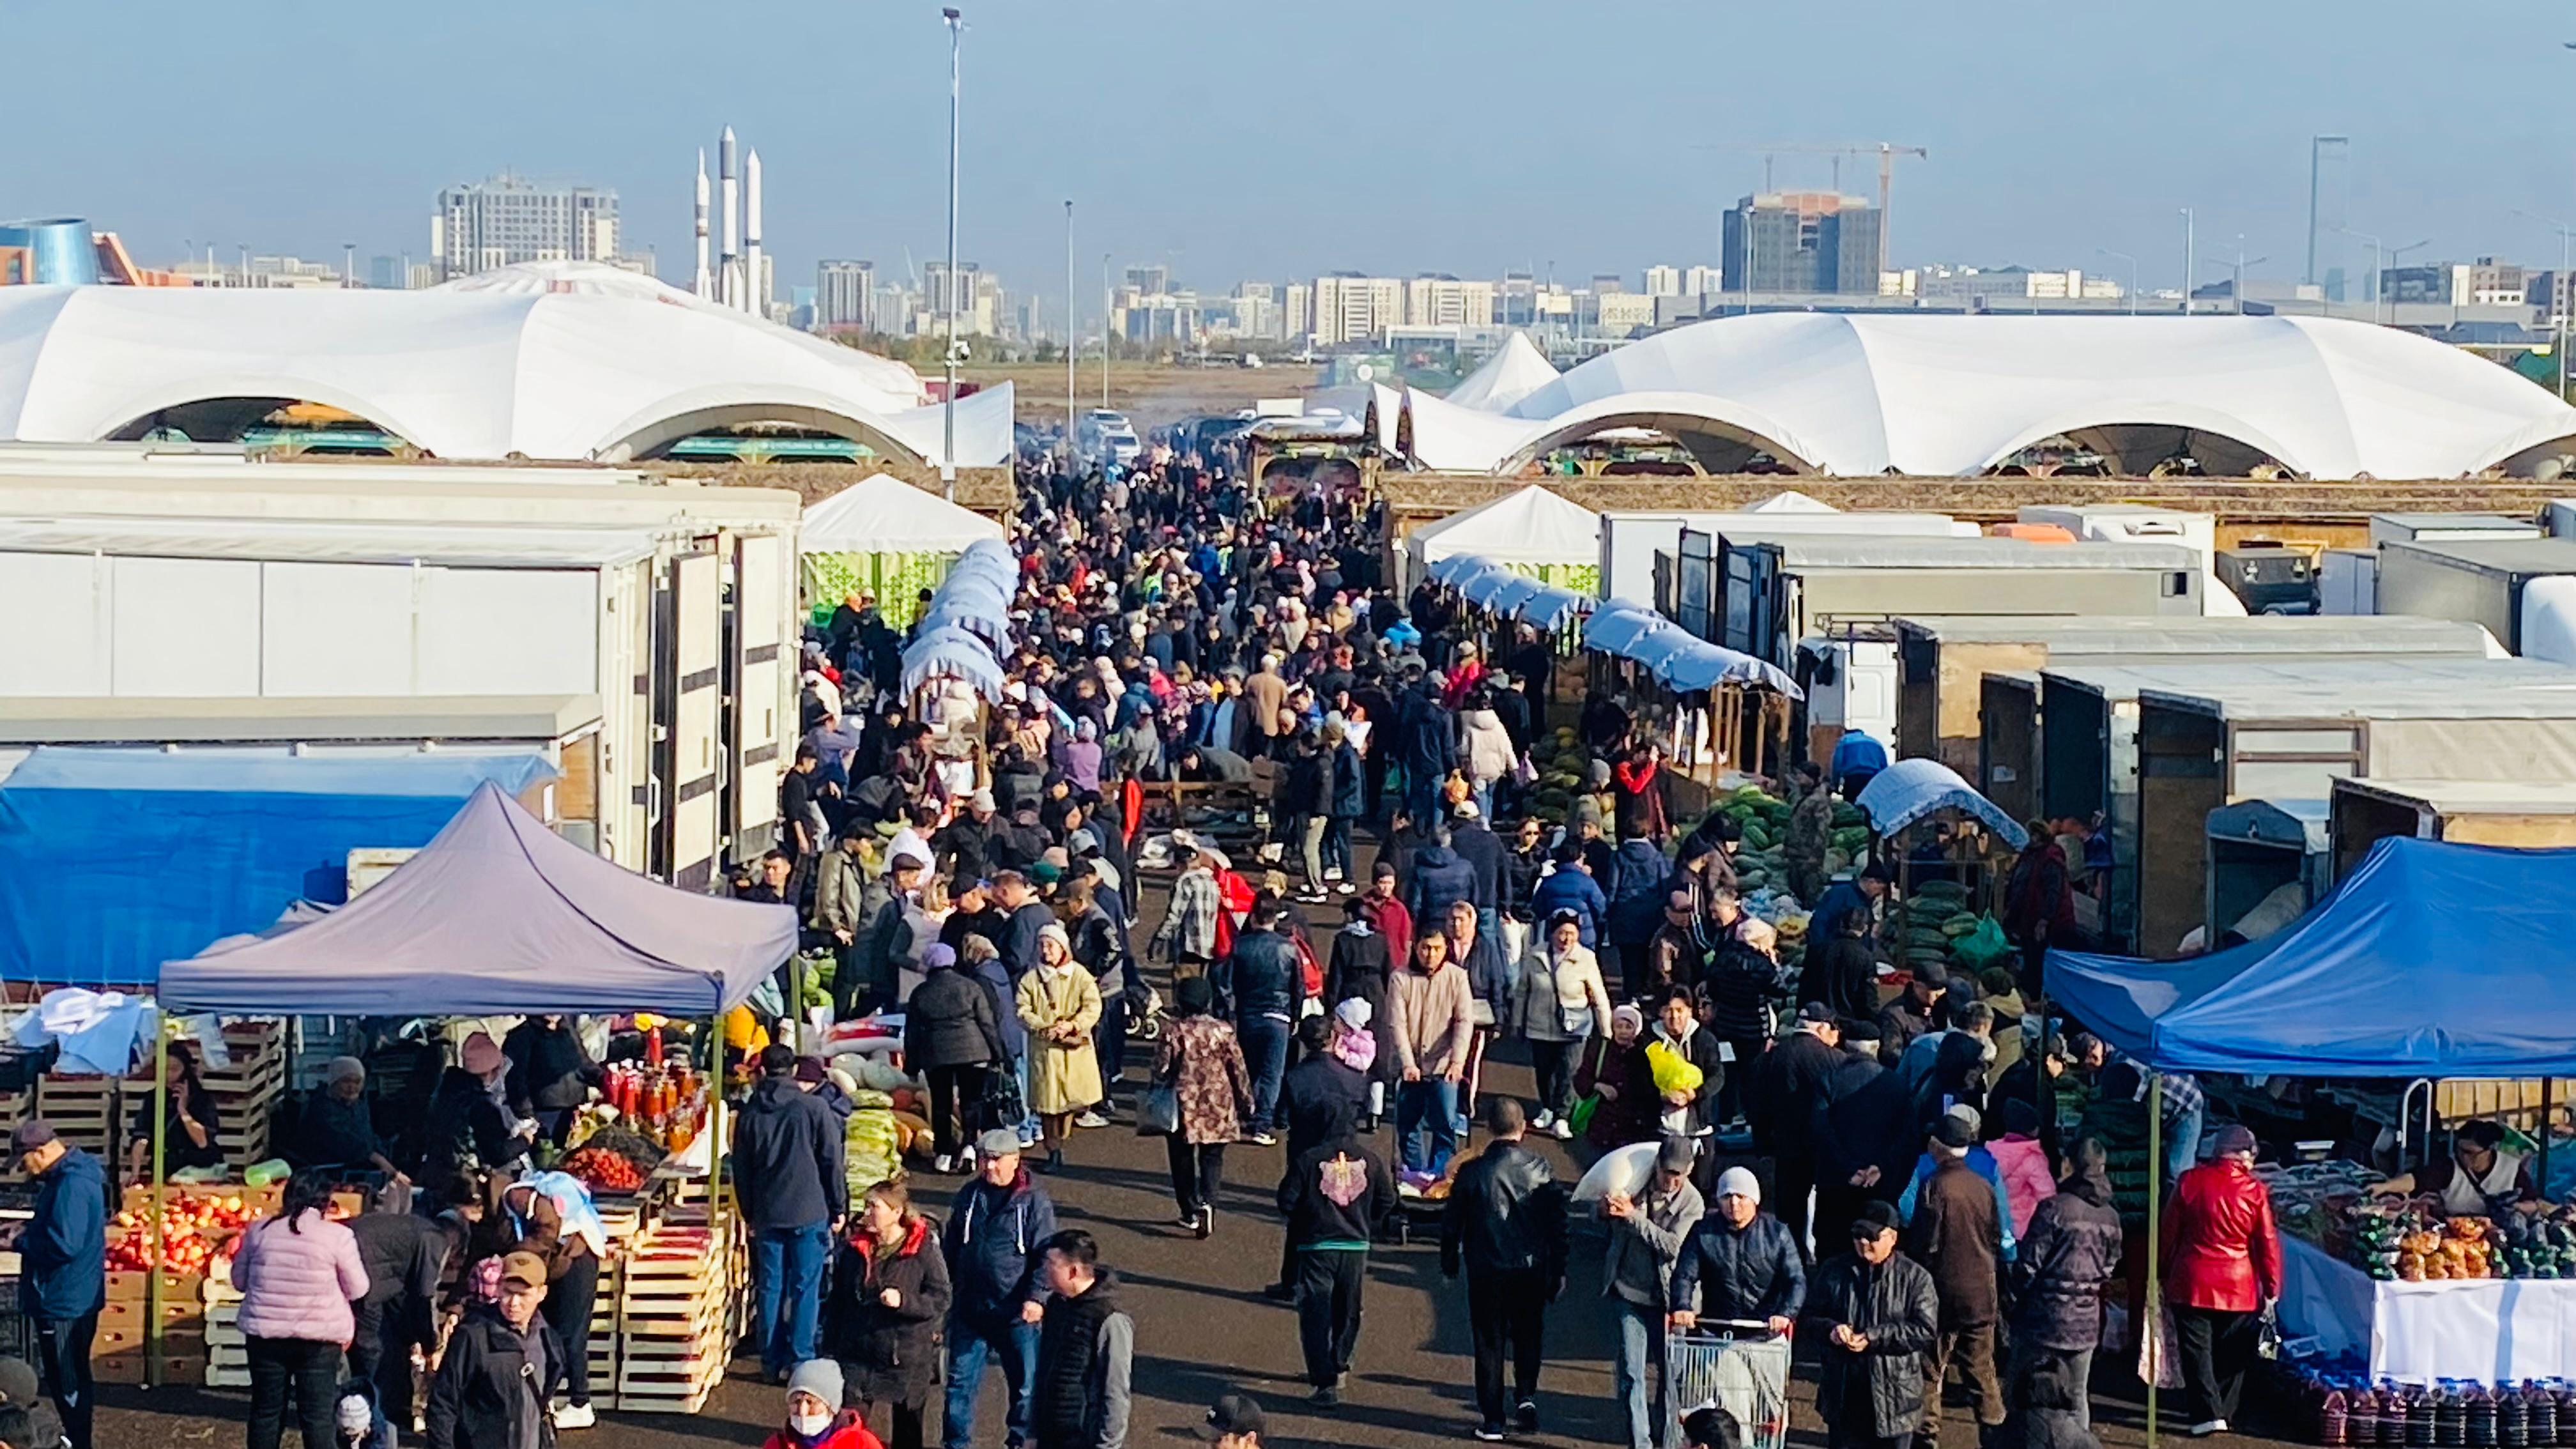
(1646, 1236)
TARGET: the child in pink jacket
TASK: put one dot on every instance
(2022, 1159)
(1353, 1044)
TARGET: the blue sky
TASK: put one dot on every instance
(1236, 139)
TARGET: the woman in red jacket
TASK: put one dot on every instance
(2225, 1268)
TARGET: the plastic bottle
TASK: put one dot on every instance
(2419, 1417)
(2481, 1413)
(2392, 1413)
(2544, 1413)
(2332, 1417)
(2563, 1397)
(2450, 1415)
(2361, 1414)
(2513, 1417)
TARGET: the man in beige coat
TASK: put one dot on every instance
(1435, 1026)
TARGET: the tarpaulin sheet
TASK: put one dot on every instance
(1911, 789)
(498, 915)
(2429, 960)
(113, 861)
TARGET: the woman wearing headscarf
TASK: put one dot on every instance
(1562, 1004)
(1614, 1070)
(952, 1034)
(1199, 1058)
(1059, 1002)
(467, 1127)
(2039, 901)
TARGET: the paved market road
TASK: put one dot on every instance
(1202, 1329)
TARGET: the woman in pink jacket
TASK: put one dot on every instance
(297, 1272)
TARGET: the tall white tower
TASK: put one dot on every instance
(704, 286)
(730, 285)
(755, 288)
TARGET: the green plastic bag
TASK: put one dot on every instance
(1983, 947)
(1580, 1119)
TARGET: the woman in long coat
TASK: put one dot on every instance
(1059, 1003)
(1201, 1061)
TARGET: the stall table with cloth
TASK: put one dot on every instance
(2492, 1330)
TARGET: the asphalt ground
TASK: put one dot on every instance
(1203, 1329)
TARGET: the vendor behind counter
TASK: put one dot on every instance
(2476, 1178)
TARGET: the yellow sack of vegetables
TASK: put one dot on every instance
(1673, 1072)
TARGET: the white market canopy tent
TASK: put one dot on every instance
(1531, 531)
(496, 916)
(1955, 396)
(1516, 370)
(883, 535)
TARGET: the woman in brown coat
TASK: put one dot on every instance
(1199, 1058)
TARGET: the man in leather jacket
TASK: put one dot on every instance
(1261, 988)
(1740, 1265)
(1882, 1317)
(1506, 1226)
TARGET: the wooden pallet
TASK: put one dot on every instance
(672, 1317)
(86, 1112)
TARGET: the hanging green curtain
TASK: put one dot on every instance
(1580, 578)
(896, 579)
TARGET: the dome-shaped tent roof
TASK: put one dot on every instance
(600, 367)
(1955, 396)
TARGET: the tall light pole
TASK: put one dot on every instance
(2396, 255)
(1069, 335)
(2190, 259)
(2558, 297)
(948, 414)
(2236, 289)
(1104, 332)
(2363, 236)
(2133, 275)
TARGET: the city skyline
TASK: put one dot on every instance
(1456, 179)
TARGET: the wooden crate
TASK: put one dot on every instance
(86, 1112)
(124, 1367)
(672, 1338)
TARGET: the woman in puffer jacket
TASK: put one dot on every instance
(890, 1294)
(1489, 752)
(298, 1273)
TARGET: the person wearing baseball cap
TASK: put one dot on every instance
(1883, 1317)
(1648, 1231)
(501, 1368)
(1233, 1422)
(1958, 1231)
(62, 1282)
(2226, 1267)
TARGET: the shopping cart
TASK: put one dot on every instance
(1742, 1367)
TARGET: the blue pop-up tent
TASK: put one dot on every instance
(114, 861)
(2429, 960)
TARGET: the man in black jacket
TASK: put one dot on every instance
(1334, 1196)
(964, 846)
(2065, 1259)
(501, 1368)
(1086, 1347)
(787, 1154)
(1024, 916)
(1471, 841)
(1788, 1081)
(1882, 1317)
(551, 1072)
(1506, 1226)
(1320, 1100)
(405, 1255)
(1739, 1265)
(1261, 988)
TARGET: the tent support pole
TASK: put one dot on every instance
(718, 1243)
(2154, 1313)
(2548, 1110)
(160, 1193)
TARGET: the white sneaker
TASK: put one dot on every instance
(1091, 1119)
(1543, 1121)
(1563, 1131)
(1263, 1139)
(944, 1164)
(575, 1416)
(2208, 1427)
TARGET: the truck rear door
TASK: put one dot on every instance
(757, 700)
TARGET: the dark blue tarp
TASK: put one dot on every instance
(2429, 960)
(114, 861)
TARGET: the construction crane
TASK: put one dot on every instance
(1885, 151)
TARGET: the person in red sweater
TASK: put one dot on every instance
(815, 1418)
(2224, 1258)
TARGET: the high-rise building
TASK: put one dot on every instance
(508, 219)
(1296, 311)
(1516, 304)
(1257, 313)
(1439, 300)
(1663, 281)
(1150, 280)
(1703, 281)
(845, 295)
(1350, 307)
(1604, 283)
(1623, 314)
(1802, 241)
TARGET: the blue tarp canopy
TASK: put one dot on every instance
(1551, 606)
(498, 915)
(1688, 664)
(2429, 960)
(951, 653)
(113, 861)
(1618, 628)
(1508, 594)
(1454, 567)
(1911, 789)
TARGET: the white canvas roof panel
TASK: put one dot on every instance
(2215, 637)
(1516, 370)
(883, 514)
(1529, 526)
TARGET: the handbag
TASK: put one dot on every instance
(1002, 1104)
(1158, 1114)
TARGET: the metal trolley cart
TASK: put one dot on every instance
(1742, 1367)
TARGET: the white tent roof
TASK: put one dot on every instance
(1791, 501)
(883, 514)
(550, 364)
(1516, 370)
(1530, 526)
(1934, 396)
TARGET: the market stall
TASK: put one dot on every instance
(498, 916)
(1531, 530)
(886, 537)
(2430, 962)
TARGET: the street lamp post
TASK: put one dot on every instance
(2396, 255)
(1069, 335)
(2190, 258)
(948, 413)
(2236, 288)
(2133, 275)
(2558, 296)
(1104, 332)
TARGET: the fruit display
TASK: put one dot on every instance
(198, 1229)
(604, 1169)
(2538, 1245)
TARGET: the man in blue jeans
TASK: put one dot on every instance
(992, 1243)
(1261, 988)
(787, 1155)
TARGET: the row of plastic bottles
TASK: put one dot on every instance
(2354, 1413)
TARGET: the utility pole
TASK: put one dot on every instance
(1069, 335)
(2558, 296)
(1104, 331)
(2190, 259)
(948, 413)
(2133, 275)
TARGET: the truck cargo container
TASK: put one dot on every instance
(2522, 590)
(2524, 814)
(1630, 541)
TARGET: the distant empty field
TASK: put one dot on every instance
(1150, 393)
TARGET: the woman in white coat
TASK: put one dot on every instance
(1561, 1004)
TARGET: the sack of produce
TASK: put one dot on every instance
(1983, 947)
